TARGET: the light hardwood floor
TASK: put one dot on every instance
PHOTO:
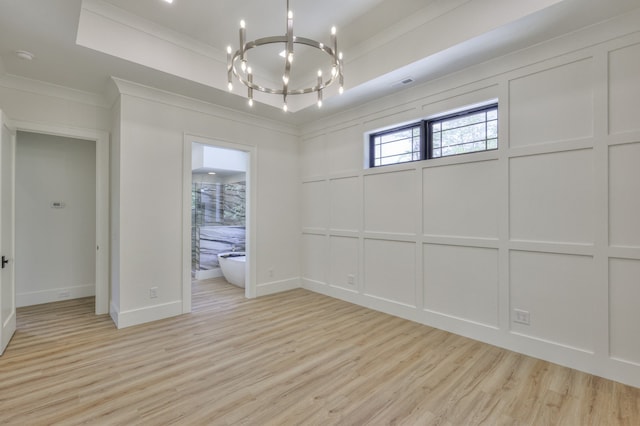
(294, 358)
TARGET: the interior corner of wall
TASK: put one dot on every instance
(114, 313)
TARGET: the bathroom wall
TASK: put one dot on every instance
(55, 247)
(534, 247)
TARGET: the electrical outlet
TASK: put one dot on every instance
(153, 292)
(521, 317)
(270, 272)
(351, 279)
(64, 294)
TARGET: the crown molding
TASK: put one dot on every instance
(38, 87)
(135, 22)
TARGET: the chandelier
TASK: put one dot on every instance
(238, 64)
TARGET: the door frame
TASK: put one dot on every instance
(8, 326)
(250, 246)
(101, 140)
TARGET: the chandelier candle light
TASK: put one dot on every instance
(238, 64)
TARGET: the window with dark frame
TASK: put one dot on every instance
(467, 131)
(398, 145)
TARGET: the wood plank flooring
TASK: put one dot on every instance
(296, 358)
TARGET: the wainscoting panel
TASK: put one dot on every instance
(552, 105)
(313, 157)
(314, 258)
(344, 262)
(315, 201)
(551, 197)
(389, 270)
(462, 282)
(391, 202)
(345, 157)
(624, 295)
(624, 89)
(346, 204)
(461, 200)
(624, 199)
(566, 317)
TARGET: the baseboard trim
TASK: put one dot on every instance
(114, 312)
(147, 314)
(277, 286)
(206, 274)
(54, 295)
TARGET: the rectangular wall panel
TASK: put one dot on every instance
(314, 257)
(558, 293)
(552, 105)
(624, 311)
(624, 89)
(315, 211)
(462, 282)
(389, 270)
(345, 150)
(313, 157)
(344, 262)
(552, 197)
(624, 195)
(391, 202)
(461, 200)
(345, 204)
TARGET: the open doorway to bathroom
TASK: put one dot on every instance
(218, 213)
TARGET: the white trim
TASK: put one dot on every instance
(54, 295)
(120, 16)
(114, 313)
(101, 139)
(9, 324)
(277, 286)
(147, 314)
(206, 274)
(41, 88)
(251, 216)
(8, 327)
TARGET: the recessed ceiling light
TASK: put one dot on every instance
(23, 54)
(211, 173)
(169, 1)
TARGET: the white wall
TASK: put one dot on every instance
(46, 104)
(55, 247)
(153, 125)
(547, 224)
(40, 107)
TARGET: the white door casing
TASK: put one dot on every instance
(7, 229)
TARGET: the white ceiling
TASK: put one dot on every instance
(376, 36)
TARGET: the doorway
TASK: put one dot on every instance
(219, 182)
(55, 225)
(218, 209)
(100, 140)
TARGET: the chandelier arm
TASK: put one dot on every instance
(288, 57)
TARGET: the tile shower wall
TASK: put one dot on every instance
(218, 221)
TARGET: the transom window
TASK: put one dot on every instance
(467, 131)
(397, 146)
